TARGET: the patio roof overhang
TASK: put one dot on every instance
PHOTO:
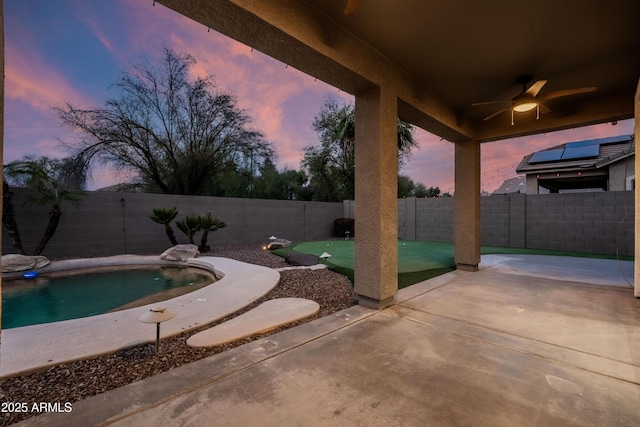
(442, 56)
(428, 62)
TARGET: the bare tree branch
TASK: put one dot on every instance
(177, 135)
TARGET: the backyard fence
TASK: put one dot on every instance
(598, 222)
(109, 223)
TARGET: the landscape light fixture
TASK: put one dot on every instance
(324, 256)
(157, 315)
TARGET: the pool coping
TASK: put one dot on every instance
(34, 347)
(56, 266)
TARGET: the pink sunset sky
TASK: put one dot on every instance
(73, 50)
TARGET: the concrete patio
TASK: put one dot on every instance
(526, 341)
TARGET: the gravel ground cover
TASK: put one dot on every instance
(74, 381)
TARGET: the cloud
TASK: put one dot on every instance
(33, 87)
(433, 163)
(33, 81)
(281, 100)
(100, 35)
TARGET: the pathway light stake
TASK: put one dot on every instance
(347, 234)
(324, 256)
(157, 315)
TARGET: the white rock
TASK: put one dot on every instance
(17, 262)
(180, 253)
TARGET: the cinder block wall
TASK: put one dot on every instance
(109, 223)
(494, 220)
(434, 219)
(586, 222)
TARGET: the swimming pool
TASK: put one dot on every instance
(84, 293)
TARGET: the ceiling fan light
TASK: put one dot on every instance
(524, 106)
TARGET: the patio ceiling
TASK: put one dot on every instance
(441, 56)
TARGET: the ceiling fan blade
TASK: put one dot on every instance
(489, 103)
(568, 92)
(543, 108)
(491, 116)
(351, 7)
(535, 88)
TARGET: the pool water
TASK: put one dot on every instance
(45, 300)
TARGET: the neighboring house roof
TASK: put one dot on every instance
(579, 155)
(123, 188)
(512, 185)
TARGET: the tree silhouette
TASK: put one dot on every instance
(178, 136)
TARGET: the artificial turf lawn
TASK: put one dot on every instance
(412, 255)
(418, 260)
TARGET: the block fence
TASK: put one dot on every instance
(601, 223)
(109, 223)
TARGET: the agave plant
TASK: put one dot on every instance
(208, 223)
(164, 216)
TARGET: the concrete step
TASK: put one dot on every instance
(266, 317)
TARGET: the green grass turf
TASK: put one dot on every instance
(417, 260)
(413, 255)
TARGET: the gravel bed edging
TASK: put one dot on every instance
(74, 381)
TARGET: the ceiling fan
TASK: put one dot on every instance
(351, 7)
(529, 98)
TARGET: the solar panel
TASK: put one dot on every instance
(577, 150)
(599, 141)
(546, 156)
(581, 152)
(613, 139)
(583, 143)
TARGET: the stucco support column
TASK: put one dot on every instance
(636, 237)
(376, 174)
(467, 205)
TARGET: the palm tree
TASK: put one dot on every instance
(405, 140)
(164, 216)
(347, 134)
(189, 225)
(208, 223)
(9, 218)
(54, 181)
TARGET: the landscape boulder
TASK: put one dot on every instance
(300, 259)
(180, 253)
(278, 243)
(16, 262)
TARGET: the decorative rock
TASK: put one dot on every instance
(180, 253)
(41, 261)
(300, 259)
(17, 262)
(278, 243)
